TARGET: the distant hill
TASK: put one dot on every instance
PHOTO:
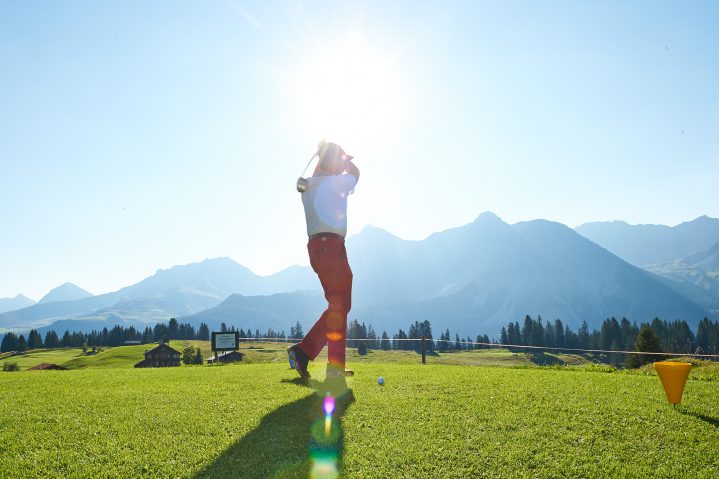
(695, 276)
(18, 302)
(277, 311)
(471, 279)
(652, 244)
(477, 277)
(65, 292)
(177, 291)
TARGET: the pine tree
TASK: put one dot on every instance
(647, 341)
(386, 346)
(198, 357)
(52, 340)
(372, 337)
(296, 331)
(527, 333)
(583, 336)
(550, 335)
(9, 343)
(147, 336)
(503, 338)
(558, 333)
(203, 333)
(538, 335)
(173, 330)
(34, 340)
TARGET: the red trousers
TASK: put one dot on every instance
(328, 258)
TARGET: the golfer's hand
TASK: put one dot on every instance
(352, 169)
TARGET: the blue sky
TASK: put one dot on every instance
(139, 135)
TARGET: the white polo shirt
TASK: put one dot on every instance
(325, 202)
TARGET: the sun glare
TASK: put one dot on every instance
(349, 94)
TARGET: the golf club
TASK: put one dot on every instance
(302, 183)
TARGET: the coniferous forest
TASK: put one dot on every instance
(613, 335)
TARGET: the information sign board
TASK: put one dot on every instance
(225, 341)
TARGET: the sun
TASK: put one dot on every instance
(350, 94)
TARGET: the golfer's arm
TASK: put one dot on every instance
(317, 170)
(352, 169)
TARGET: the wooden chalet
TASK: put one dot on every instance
(162, 356)
(227, 357)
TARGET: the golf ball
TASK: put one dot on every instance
(380, 381)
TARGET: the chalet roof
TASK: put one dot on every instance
(162, 347)
(47, 366)
(226, 353)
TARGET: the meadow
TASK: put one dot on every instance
(434, 420)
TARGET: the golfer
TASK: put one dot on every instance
(324, 196)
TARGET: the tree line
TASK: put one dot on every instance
(409, 340)
(118, 335)
(615, 335)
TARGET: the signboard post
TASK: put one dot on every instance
(225, 341)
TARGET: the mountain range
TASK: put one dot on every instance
(177, 291)
(65, 292)
(684, 257)
(471, 279)
(643, 245)
(18, 302)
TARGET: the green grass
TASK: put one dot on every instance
(263, 352)
(254, 420)
(33, 358)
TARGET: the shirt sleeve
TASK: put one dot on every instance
(346, 183)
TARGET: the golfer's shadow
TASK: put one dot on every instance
(280, 447)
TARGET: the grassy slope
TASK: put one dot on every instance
(258, 352)
(252, 420)
(33, 358)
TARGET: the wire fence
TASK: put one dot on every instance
(498, 346)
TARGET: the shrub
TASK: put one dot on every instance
(188, 355)
(10, 366)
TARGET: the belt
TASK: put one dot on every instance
(326, 236)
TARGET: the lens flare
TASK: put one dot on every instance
(335, 320)
(324, 468)
(328, 425)
(329, 405)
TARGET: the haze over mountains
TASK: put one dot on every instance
(177, 291)
(18, 302)
(643, 245)
(65, 292)
(685, 257)
(471, 279)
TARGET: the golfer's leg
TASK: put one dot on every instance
(316, 337)
(336, 349)
(329, 261)
(321, 259)
(340, 305)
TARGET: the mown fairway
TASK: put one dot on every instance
(254, 420)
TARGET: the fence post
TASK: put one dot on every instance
(424, 349)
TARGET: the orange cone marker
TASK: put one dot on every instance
(674, 377)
